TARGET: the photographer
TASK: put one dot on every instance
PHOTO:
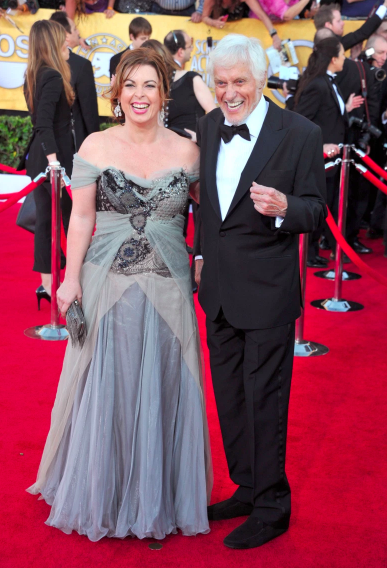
(377, 60)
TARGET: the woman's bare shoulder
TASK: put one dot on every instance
(187, 150)
(95, 144)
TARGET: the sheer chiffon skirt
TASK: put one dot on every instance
(132, 456)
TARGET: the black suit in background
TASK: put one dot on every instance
(51, 135)
(114, 61)
(364, 32)
(319, 103)
(349, 81)
(250, 292)
(85, 107)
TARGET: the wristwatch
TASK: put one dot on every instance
(273, 32)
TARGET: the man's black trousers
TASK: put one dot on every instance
(251, 375)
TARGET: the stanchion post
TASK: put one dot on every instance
(337, 304)
(331, 274)
(54, 331)
(303, 348)
(56, 177)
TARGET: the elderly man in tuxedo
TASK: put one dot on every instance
(262, 184)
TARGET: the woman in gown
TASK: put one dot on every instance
(128, 450)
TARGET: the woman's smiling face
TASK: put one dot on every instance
(140, 96)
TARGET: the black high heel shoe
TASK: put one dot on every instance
(42, 294)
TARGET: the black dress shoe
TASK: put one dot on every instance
(228, 509)
(323, 244)
(360, 248)
(252, 533)
(316, 262)
(322, 259)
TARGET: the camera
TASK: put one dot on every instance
(274, 82)
(367, 130)
(367, 57)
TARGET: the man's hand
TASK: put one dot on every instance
(83, 44)
(331, 150)
(196, 18)
(198, 270)
(268, 201)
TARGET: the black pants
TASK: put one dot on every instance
(333, 187)
(358, 196)
(42, 255)
(251, 375)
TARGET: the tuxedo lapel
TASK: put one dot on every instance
(269, 139)
(213, 143)
(330, 85)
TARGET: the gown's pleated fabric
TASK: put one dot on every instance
(128, 450)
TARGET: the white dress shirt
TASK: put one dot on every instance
(339, 98)
(233, 157)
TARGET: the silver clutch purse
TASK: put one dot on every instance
(76, 324)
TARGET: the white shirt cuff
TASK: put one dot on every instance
(381, 12)
(278, 222)
(198, 257)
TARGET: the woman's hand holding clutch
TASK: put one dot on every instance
(69, 291)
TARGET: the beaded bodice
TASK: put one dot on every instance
(159, 199)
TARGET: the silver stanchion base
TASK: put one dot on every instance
(309, 349)
(47, 332)
(332, 305)
(330, 275)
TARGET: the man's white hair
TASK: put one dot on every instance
(235, 49)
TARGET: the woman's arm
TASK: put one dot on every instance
(203, 94)
(109, 12)
(51, 89)
(82, 222)
(194, 191)
(294, 10)
(255, 7)
(71, 8)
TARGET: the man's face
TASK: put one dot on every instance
(337, 24)
(72, 38)
(139, 40)
(380, 56)
(382, 30)
(237, 91)
(187, 51)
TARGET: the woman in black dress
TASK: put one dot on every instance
(49, 97)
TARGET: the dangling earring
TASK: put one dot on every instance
(162, 116)
(118, 110)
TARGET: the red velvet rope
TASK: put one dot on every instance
(352, 254)
(16, 196)
(10, 170)
(6, 195)
(370, 163)
(373, 179)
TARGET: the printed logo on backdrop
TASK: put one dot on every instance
(200, 60)
(12, 72)
(302, 57)
(103, 47)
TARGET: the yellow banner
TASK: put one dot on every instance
(110, 36)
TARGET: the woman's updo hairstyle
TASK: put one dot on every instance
(133, 59)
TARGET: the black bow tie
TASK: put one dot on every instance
(228, 132)
(332, 78)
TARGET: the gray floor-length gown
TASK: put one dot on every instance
(128, 450)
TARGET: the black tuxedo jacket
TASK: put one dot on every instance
(318, 102)
(114, 61)
(85, 107)
(364, 32)
(251, 269)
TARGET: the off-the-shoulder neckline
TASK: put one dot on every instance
(156, 175)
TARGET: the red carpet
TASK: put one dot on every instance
(336, 460)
